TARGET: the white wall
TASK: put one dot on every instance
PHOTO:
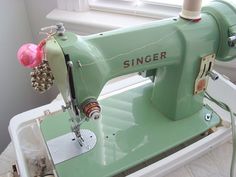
(37, 11)
(16, 94)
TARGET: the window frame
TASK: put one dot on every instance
(129, 7)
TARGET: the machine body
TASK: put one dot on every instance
(170, 50)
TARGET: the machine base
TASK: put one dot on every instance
(70, 147)
(130, 132)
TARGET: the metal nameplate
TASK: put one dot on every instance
(67, 146)
(206, 66)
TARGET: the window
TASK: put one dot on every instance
(172, 2)
(167, 2)
(105, 15)
(153, 2)
(157, 9)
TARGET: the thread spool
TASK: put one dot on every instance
(191, 10)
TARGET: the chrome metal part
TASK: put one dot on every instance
(94, 115)
(208, 117)
(213, 75)
(76, 129)
(205, 70)
(79, 64)
(52, 30)
(67, 106)
(60, 29)
(70, 64)
(72, 107)
(232, 41)
(71, 147)
(71, 98)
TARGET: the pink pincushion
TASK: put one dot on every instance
(31, 55)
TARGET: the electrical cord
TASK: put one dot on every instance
(227, 108)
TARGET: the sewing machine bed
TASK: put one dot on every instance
(130, 132)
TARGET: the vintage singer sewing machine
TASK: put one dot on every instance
(122, 131)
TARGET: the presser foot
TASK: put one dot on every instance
(77, 133)
(80, 140)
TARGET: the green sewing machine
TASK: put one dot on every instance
(124, 130)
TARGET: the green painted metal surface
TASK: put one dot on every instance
(174, 47)
(143, 122)
(103, 57)
(57, 64)
(130, 131)
(225, 15)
